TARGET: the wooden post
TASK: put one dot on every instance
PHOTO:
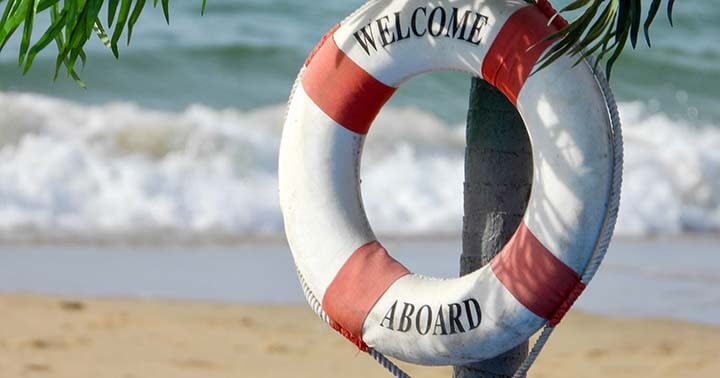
(498, 178)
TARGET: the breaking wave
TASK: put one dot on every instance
(76, 171)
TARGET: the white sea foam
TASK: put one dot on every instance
(672, 175)
(69, 170)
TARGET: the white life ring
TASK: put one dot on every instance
(363, 292)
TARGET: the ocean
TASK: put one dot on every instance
(179, 137)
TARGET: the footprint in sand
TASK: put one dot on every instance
(596, 353)
(35, 367)
(45, 344)
(194, 364)
(665, 349)
(246, 321)
(277, 348)
(72, 306)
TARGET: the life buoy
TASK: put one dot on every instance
(350, 278)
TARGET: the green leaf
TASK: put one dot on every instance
(8, 7)
(654, 7)
(635, 14)
(599, 27)
(15, 17)
(605, 49)
(92, 16)
(134, 17)
(119, 26)
(616, 53)
(6, 12)
(575, 5)
(54, 29)
(54, 14)
(671, 4)
(112, 8)
(166, 10)
(45, 4)
(75, 41)
(570, 36)
(623, 17)
(77, 79)
(83, 57)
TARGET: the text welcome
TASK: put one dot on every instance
(436, 22)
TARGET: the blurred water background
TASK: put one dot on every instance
(180, 136)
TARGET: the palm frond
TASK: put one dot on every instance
(72, 24)
(603, 27)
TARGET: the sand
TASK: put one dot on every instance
(43, 336)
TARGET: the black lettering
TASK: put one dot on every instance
(456, 24)
(455, 311)
(437, 23)
(431, 21)
(367, 39)
(440, 322)
(428, 323)
(398, 28)
(480, 22)
(472, 323)
(389, 316)
(405, 321)
(413, 22)
(385, 31)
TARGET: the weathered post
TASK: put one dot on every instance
(498, 177)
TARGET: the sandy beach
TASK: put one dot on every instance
(45, 336)
(142, 230)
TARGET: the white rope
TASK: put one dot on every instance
(610, 215)
(617, 172)
(387, 364)
(534, 352)
(377, 356)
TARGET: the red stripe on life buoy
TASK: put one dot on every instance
(517, 47)
(317, 47)
(343, 90)
(533, 275)
(357, 286)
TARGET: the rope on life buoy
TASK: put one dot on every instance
(377, 356)
(608, 226)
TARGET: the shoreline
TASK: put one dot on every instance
(649, 275)
(63, 337)
(173, 239)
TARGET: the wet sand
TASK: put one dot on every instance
(45, 336)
